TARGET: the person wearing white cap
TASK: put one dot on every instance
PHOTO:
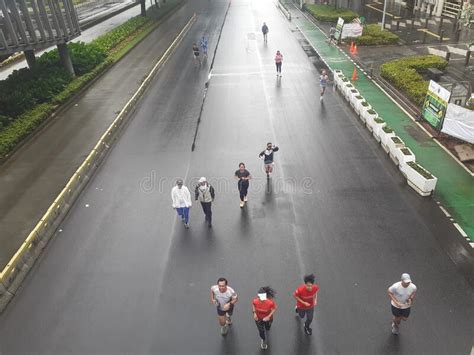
(205, 194)
(181, 201)
(263, 307)
(401, 294)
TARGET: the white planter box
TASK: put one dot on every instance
(403, 158)
(377, 127)
(384, 137)
(369, 120)
(363, 112)
(356, 102)
(347, 91)
(352, 94)
(337, 79)
(418, 182)
(342, 86)
(392, 147)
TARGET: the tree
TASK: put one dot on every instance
(143, 8)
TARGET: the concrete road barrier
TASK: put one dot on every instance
(19, 265)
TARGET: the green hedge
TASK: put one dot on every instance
(405, 74)
(373, 35)
(329, 14)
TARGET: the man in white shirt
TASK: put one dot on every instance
(401, 294)
(224, 298)
(181, 201)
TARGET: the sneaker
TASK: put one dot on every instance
(263, 344)
(242, 203)
(224, 329)
(186, 225)
(307, 330)
(395, 330)
(245, 199)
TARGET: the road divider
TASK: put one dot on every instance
(22, 261)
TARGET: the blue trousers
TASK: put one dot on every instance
(183, 212)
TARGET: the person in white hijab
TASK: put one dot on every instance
(204, 192)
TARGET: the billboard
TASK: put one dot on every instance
(435, 104)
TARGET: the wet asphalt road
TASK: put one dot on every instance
(124, 277)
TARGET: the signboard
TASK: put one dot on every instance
(435, 104)
(352, 30)
(459, 123)
(339, 26)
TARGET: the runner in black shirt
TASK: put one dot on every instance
(267, 156)
(243, 176)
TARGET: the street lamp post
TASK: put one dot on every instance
(383, 15)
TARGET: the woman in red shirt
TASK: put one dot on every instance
(306, 296)
(263, 308)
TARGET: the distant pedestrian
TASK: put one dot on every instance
(224, 298)
(263, 307)
(204, 45)
(243, 176)
(205, 194)
(197, 59)
(323, 82)
(267, 156)
(181, 201)
(332, 34)
(265, 32)
(278, 62)
(401, 294)
(306, 296)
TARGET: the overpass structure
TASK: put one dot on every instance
(29, 25)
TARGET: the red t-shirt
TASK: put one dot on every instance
(263, 308)
(307, 296)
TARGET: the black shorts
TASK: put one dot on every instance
(229, 312)
(398, 312)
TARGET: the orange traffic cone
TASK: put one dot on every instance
(351, 49)
(354, 52)
(354, 74)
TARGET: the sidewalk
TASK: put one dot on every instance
(35, 174)
(455, 187)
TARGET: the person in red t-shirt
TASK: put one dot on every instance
(263, 307)
(306, 298)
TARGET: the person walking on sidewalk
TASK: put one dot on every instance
(402, 294)
(205, 194)
(278, 62)
(265, 32)
(181, 201)
(263, 308)
(323, 82)
(224, 298)
(243, 176)
(267, 156)
(306, 296)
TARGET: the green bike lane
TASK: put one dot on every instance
(455, 186)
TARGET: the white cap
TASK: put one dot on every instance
(203, 179)
(262, 296)
(406, 278)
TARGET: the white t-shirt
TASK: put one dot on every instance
(223, 297)
(181, 197)
(402, 294)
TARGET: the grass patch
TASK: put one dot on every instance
(328, 13)
(406, 74)
(373, 35)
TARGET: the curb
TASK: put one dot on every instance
(23, 260)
